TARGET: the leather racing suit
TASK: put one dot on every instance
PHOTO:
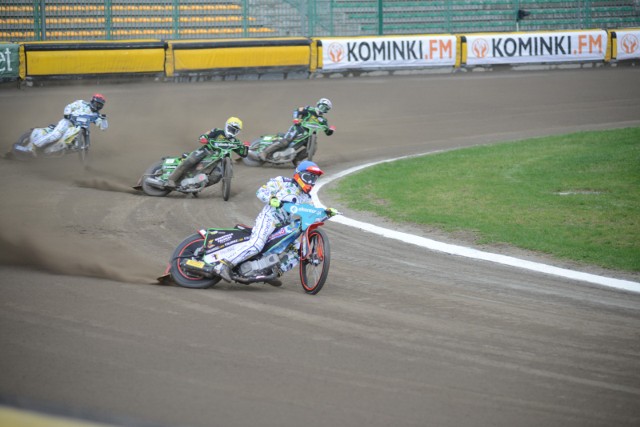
(76, 108)
(284, 189)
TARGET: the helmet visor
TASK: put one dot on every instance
(308, 178)
(96, 104)
(323, 108)
(233, 130)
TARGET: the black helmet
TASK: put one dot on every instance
(97, 102)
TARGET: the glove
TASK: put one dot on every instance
(330, 130)
(275, 203)
(204, 140)
(331, 212)
(243, 150)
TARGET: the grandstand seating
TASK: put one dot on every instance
(91, 20)
(193, 19)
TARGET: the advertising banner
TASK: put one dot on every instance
(388, 52)
(627, 44)
(9, 63)
(531, 48)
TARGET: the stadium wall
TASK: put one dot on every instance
(301, 57)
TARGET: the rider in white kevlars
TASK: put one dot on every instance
(76, 108)
(276, 191)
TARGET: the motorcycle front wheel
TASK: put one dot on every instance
(312, 146)
(83, 147)
(185, 251)
(315, 268)
(154, 171)
(227, 174)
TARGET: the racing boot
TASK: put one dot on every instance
(223, 269)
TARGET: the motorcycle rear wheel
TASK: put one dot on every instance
(315, 268)
(227, 174)
(153, 171)
(23, 141)
(185, 251)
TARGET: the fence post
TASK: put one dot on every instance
(176, 19)
(331, 17)
(587, 14)
(245, 18)
(107, 19)
(39, 26)
(380, 18)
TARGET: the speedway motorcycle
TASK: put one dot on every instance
(216, 166)
(300, 242)
(77, 139)
(303, 147)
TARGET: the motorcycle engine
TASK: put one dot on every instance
(284, 154)
(252, 268)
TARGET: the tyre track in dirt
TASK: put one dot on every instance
(399, 335)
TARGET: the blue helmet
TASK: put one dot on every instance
(306, 175)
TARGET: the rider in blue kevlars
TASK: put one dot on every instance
(322, 107)
(274, 193)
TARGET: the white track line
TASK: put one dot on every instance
(462, 250)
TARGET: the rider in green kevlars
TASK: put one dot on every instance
(232, 128)
(323, 106)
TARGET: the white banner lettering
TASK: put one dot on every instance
(528, 48)
(390, 52)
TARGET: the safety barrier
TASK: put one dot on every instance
(301, 57)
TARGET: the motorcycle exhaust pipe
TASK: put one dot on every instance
(154, 182)
(206, 270)
(254, 279)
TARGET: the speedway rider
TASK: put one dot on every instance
(323, 106)
(276, 191)
(76, 108)
(232, 128)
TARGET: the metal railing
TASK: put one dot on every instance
(37, 20)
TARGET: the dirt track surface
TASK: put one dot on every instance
(399, 336)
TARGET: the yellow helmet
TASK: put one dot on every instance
(232, 127)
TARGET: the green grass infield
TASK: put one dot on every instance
(575, 196)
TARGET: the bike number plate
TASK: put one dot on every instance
(194, 263)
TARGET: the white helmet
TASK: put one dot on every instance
(232, 127)
(324, 105)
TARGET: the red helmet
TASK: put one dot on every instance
(306, 175)
(97, 102)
